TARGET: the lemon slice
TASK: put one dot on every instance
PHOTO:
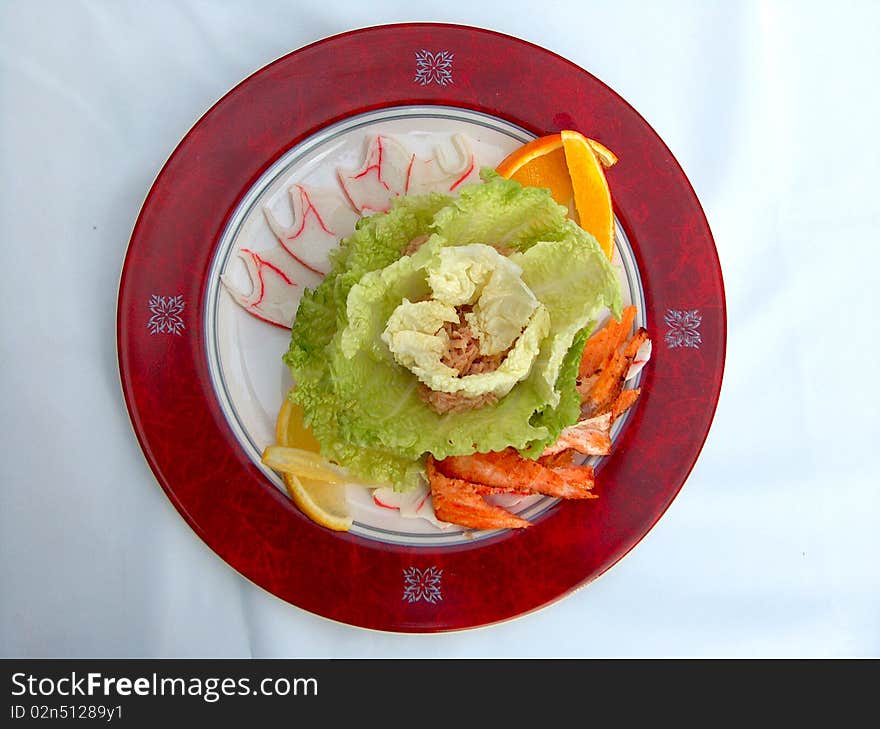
(304, 464)
(291, 431)
(321, 501)
(324, 503)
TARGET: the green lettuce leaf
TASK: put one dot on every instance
(505, 313)
(377, 242)
(364, 407)
(573, 279)
(502, 212)
(568, 410)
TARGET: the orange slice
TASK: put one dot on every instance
(324, 503)
(592, 198)
(540, 163)
(534, 152)
(571, 166)
(605, 155)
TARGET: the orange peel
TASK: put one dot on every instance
(571, 166)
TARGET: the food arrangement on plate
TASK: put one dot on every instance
(241, 222)
(451, 359)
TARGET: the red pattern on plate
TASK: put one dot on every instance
(224, 496)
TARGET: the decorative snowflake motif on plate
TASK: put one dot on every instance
(422, 584)
(433, 68)
(684, 328)
(167, 315)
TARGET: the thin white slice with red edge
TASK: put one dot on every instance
(272, 297)
(413, 504)
(643, 354)
(320, 217)
(380, 178)
(440, 173)
(389, 170)
(316, 226)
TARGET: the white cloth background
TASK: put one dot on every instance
(771, 548)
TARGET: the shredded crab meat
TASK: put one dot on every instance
(454, 402)
(462, 355)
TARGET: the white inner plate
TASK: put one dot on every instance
(244, 353)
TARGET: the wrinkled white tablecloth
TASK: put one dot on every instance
(772, 547)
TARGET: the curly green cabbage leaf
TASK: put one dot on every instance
(363, 405)
(505, 314)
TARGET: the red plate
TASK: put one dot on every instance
(218, 488)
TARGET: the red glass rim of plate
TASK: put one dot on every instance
(193, 452)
